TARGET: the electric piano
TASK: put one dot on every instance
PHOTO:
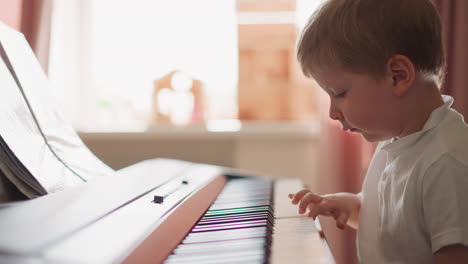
(163, 211)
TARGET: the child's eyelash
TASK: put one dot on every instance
(340, 95)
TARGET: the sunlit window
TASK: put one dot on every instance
(106, 56)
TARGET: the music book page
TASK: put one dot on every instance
(40, 151)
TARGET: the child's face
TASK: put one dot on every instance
(361, 103)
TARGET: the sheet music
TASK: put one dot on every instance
(41, 152)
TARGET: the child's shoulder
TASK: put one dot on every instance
(449, 138)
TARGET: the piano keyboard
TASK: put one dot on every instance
(237, 227)
(252, 221)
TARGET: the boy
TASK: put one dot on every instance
(382, 63)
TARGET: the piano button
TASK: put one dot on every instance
(158, 199)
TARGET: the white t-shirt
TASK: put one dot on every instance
(415, 194)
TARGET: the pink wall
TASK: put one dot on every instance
(10, 12)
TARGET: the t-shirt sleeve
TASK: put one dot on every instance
(445, 202)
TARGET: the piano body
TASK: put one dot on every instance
(163, 210)
(155, 211)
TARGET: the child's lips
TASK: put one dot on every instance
(353, 130)
(350, 129)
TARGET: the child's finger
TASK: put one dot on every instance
(291, 195)
(313, 211)
(298, 196)
(341, 220)
(313, 215)
(308, 199)
(318, 209)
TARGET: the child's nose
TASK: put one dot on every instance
(335, 113)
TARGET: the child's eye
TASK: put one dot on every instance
(340, 95)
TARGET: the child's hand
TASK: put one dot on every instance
(342, 206)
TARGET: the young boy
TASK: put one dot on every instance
(382, 64)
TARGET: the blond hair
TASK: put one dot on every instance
(361, 35)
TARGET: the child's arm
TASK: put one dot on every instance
(452, 254)
(344, 207)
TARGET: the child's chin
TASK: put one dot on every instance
(373, 138)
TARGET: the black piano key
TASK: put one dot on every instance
(236, 217)
(266, 213)
(223, 217)
(236, 210)
(233, 219)
(228, 226)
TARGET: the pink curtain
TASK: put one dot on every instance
(36, 20)
(454, 15)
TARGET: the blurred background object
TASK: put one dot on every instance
(267, 35)
(177, 100)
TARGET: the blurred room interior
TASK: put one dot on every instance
(207, 81)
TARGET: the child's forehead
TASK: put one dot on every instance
(330, 78)
(331, 74)
(336, 78)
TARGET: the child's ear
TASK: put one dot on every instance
(401, 71)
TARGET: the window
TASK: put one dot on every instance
(106, 55)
